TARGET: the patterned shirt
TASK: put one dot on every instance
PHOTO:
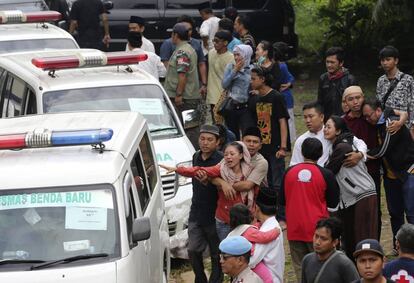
(183, 62)
(248, 39)
(401, 98)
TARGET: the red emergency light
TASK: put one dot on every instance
(88, 59)
(16, 17)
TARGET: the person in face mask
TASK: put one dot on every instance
(264, 56)
(236, 80)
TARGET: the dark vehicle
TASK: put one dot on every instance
(273, 20)
(23, 5)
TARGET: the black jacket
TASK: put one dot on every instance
(397, 149)
(330, 93)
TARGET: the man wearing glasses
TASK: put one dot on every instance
(234, 259)
(397, 152)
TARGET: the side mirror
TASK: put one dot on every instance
(191, 118)
(141, 229)
(108, 5)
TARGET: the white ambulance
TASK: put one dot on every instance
(63, 80)
(81, 200)
(29, 31)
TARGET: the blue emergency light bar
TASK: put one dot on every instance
(46, 138)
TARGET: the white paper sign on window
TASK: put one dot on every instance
(146, 106)
(86, 218)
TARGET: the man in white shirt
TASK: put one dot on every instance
(313, 116)
(208, 28)
(137, 24)
(153, 64)
(272, 254)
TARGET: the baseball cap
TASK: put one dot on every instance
(181, 29)
(211, 129)
(235, 245)
(352, 89)
(368, 245)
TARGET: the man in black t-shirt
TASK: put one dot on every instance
(269, 109)
(85, 17)
(201, 222)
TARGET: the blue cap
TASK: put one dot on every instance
(235, 245)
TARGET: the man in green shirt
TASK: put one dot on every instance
(181, 81)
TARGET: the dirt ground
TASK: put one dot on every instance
(304, 91)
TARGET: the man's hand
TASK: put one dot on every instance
(352, 158)
(178, 100)
(202, 177)
(228, 191)
(394, 127)
(203, 91)
(281, 153)
(106, 40)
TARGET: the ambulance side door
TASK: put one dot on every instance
(146, 178)
(138, 268)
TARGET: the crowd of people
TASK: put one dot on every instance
(329, 199)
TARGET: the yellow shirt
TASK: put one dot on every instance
(216, 65)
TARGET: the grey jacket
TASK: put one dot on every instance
(355, 183)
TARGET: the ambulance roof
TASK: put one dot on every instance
(70, 165)
(9, 32)
(21, 65)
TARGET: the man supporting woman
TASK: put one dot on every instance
(358, 198)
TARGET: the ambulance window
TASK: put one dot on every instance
(15, 98)
(138, 173)
(145, 147)
(3, 75)
(31, 107)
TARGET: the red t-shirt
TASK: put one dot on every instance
(307, 191)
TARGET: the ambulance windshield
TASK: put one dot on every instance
(49, 224)
(145, 99)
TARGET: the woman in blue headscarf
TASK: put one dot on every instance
(236, 81)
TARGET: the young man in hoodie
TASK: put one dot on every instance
(333, 83)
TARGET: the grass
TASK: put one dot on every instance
(306, 91)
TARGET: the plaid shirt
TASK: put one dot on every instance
(401, 98)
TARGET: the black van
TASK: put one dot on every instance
(273, 20)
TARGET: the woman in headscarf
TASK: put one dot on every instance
(236, 81)
(233, 168)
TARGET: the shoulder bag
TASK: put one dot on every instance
(393, 85)
(318, 277)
